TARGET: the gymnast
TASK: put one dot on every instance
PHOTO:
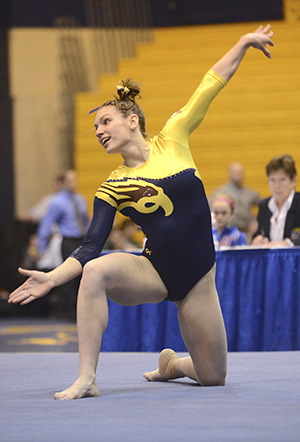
(159, 187)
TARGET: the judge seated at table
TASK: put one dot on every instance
(279, 215)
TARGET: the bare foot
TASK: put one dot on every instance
(166, 367)
(83, 387)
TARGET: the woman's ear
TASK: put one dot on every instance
(133, 121)
(295, 180)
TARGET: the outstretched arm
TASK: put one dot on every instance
(39, 284)
(228, 64)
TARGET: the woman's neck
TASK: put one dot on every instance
(221, 230)
(280, 203)
(137, 154)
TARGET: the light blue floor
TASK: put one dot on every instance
(260, 403)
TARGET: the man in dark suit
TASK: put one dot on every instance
(279, 215)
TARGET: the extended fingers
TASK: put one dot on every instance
(29, 299)
(14, 295)
(267, 52)
(264, 41)
(262, 29)
(259, 29)
(18, 296)
(266, 29)
(270, 35)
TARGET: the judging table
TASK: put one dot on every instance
(259, 291)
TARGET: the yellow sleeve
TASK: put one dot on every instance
(187, 119)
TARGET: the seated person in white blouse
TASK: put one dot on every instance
(279, 215)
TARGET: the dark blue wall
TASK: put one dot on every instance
(40, 13)
(193, 12)
(6, 154)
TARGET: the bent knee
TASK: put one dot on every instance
(213, 379)
(90, 268)
(211, 374)
(94, 272)
(214, 382)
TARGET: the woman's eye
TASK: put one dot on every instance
(106, 121)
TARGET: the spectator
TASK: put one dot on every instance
(223, 210)
(244, 197)
(117, 240)
(39, 210)
(52, 256)
(279, 215)
(133, 233)
(68, 209)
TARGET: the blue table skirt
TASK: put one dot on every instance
(259, 292)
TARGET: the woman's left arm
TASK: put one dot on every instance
(259, 39)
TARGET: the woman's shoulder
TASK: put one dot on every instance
(117, 174)
(264, 202)
(296, 202)
(297, 197)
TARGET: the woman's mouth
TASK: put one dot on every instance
(104, 141)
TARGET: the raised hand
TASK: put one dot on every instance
(260, 38)
(37, 285)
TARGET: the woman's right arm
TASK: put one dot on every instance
(39, 284)
(259, 238)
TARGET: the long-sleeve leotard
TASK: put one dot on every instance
(166, 198)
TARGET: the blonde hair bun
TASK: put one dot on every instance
(128, 90)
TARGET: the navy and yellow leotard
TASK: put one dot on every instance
(166, 198)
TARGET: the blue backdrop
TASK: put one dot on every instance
(259, 292)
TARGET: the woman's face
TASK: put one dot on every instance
(222, 213)
(112, 129)
(281, 185)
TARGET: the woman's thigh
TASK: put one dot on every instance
(127, 279)
(203, 331)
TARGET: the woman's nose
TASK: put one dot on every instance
(99, 132)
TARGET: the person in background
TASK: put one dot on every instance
(68, 210)
(245, 199)
(125, 235)
(279, 215)
(40, 209)
(117, 240)
(133, 233)
(51, 256)
(225, 235)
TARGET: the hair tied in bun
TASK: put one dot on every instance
(123, 91)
